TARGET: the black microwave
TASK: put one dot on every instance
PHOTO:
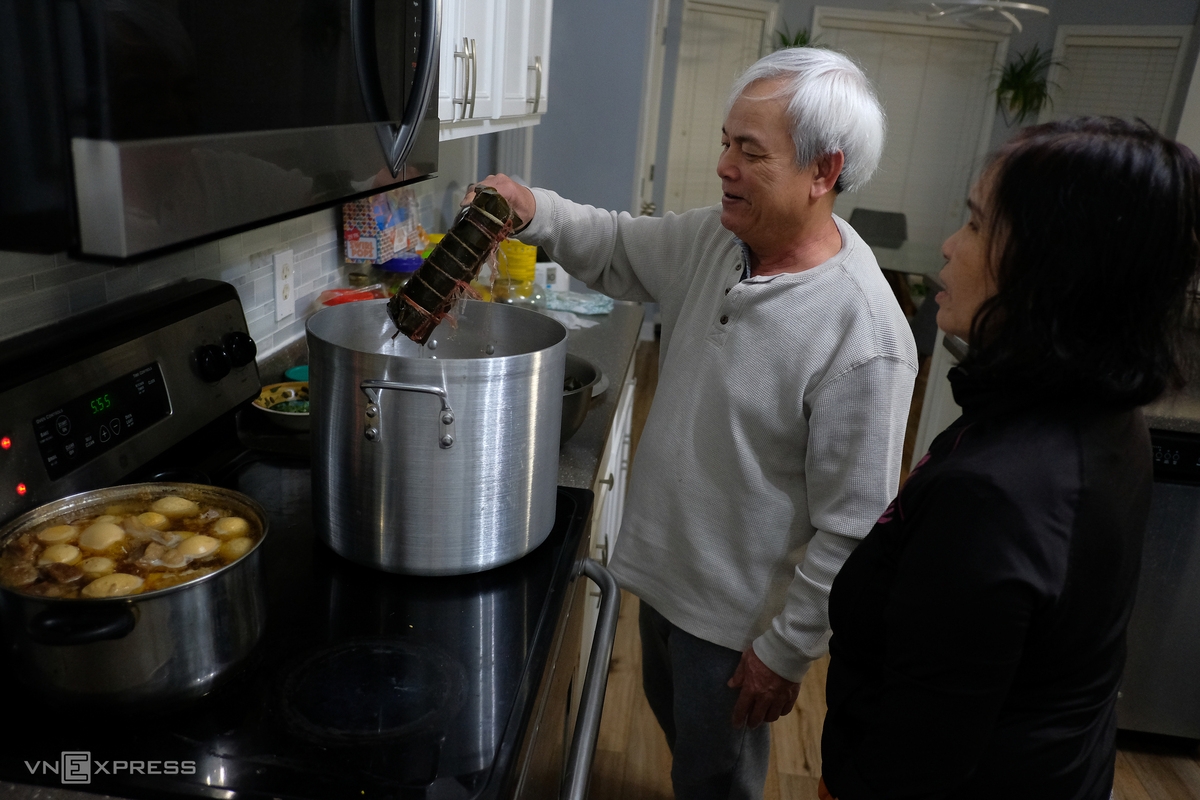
(132, 127)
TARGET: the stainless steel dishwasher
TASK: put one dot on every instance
(1160, 691)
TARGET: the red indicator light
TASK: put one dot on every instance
(21, 490)
(5, 443)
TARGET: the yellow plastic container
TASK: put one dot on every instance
(433, 238)
(518, 261)
(515, 274)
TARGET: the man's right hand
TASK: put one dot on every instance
(520, 198)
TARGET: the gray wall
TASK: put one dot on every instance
(586, 145)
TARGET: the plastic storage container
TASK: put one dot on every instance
(516, 283)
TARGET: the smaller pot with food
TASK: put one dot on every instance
(133, 594)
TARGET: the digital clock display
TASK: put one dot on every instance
(79, 430)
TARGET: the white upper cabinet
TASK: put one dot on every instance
(526, 58)
(469, 53)
(495, 57)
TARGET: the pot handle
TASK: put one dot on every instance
(373, 389)
(587, 724)
(80, 625)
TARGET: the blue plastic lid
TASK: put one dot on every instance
(405, 262)
(299, 373)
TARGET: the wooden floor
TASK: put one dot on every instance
(633, 763)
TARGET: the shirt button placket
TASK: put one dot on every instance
(741, 269)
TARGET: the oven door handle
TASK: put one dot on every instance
(587, 724)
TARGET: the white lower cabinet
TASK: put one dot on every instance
(612, 477)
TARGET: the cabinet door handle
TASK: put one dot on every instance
(474, 75)
(537, 83)
(465, 55)
(609, 481)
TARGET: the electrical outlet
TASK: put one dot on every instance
(285, 286)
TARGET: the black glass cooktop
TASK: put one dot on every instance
(365, 685)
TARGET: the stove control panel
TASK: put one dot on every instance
(93, 398)
(1176, 456)
(93, 423)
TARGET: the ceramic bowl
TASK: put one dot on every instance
(276, 393)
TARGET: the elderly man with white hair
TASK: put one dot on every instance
(773, 443)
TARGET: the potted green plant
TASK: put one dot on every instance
(785, 38)
(1024, 90)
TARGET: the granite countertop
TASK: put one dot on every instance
(1180, 411)
(1177, 411)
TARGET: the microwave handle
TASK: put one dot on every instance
(398, 141)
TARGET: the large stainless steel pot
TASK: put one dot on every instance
(170, 645)
(435, 460)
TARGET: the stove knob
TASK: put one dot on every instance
(240, 347)
(212, 362)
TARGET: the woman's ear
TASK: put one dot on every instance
(828, 170)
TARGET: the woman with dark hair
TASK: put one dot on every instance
(979, 629)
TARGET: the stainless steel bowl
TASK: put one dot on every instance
(576, 402)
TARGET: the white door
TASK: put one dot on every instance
(537, 61)
(526, 57)
(935, 82)
(719, 39)
(465, 84)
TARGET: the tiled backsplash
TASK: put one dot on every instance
(36, 290)
(39, 289)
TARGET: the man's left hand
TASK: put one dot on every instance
(765, 696)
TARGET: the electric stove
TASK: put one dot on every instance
(365, 684)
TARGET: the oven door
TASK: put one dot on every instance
(187, 119)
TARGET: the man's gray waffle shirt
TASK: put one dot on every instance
(774, 440)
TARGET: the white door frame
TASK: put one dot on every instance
(643, 181)
(656, 49)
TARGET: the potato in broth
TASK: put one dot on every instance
(129, 548)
